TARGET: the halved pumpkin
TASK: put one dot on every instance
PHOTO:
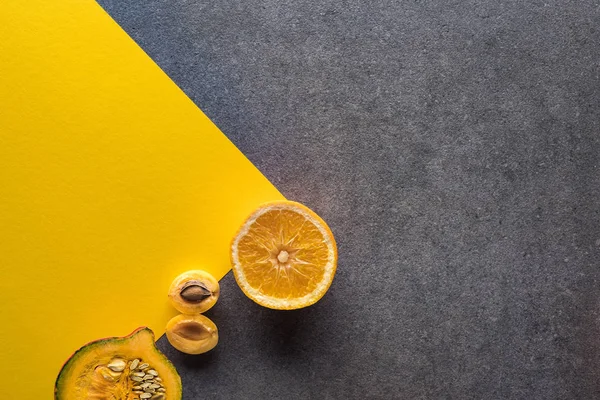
(119, 368)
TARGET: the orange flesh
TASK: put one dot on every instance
(283, 255)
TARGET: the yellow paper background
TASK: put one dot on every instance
(112, 182)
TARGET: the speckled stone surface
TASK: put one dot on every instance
(454, 149)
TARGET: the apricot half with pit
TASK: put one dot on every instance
(194, 292)
(192, 334)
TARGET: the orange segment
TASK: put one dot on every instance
(284, 256)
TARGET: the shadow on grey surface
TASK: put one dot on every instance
(286, 333)
(278, 334)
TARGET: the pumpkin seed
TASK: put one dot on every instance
(105, 373)
(117, 365)
(134, 364)
(148, 384)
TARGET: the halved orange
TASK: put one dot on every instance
(284, 256)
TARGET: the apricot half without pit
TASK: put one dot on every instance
(192, 334)
(194, 292)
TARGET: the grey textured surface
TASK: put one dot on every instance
(453, 147)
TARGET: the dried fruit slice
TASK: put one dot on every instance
(194, 292)
(192, 334)
(284, 256)
(127, 368)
